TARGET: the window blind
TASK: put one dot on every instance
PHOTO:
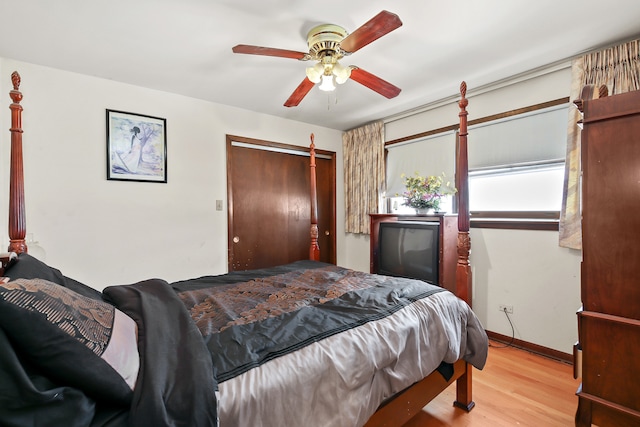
(432, 155)
(535, 137)
(530, 138)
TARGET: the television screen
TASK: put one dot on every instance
(409, 249)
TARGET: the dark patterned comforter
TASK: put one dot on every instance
(329, 341)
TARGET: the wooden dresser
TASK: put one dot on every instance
(609, 322)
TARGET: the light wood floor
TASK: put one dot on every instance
(516, 388)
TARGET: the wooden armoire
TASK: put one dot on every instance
(609, 321)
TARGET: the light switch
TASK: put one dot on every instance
(218, 205)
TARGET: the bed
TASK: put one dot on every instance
(306, 343)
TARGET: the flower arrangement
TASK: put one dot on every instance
(425, 192)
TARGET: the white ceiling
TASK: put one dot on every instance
(184, 46)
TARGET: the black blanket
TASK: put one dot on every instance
(29, 398)
(176, 385)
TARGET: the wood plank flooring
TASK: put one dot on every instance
(516, 388)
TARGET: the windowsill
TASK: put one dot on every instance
(515, 224)
(514, 220)
(507, 220)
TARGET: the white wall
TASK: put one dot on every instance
(524, 269)
(111, 232)
(527, 270)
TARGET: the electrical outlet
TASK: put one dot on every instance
(507, 308)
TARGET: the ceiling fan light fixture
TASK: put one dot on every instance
(327, 83)
(342, 73)
(314, 74)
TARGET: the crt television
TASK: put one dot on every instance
(409, 249)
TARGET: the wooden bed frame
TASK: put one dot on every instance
(406, 404)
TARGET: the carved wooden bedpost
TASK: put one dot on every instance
(314, 250)
(17, 222)
(463, 270)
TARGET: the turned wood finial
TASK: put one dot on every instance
(15, 79)
(16, 97)
(463, 93)
(463, 108)
(603, 91)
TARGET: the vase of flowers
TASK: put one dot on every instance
(424, 193)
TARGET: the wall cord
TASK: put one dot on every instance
(513, 333)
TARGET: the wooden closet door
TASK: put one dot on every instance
(326, 189)
(268, 204)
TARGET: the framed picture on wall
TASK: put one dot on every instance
(136, 147)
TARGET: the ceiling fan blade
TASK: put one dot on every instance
(269, 51)
(374, 83)
(301, 91)
(381, 24)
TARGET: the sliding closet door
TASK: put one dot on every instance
(269, 206)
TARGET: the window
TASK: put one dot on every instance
(524, 188)
(432, 155)
(516, 168)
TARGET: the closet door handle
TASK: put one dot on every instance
(236, 239)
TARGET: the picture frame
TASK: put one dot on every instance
(136, 147)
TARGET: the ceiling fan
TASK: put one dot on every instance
(328, 44)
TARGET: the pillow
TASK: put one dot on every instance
(27, 267)
(73, 339)
(122, 350)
